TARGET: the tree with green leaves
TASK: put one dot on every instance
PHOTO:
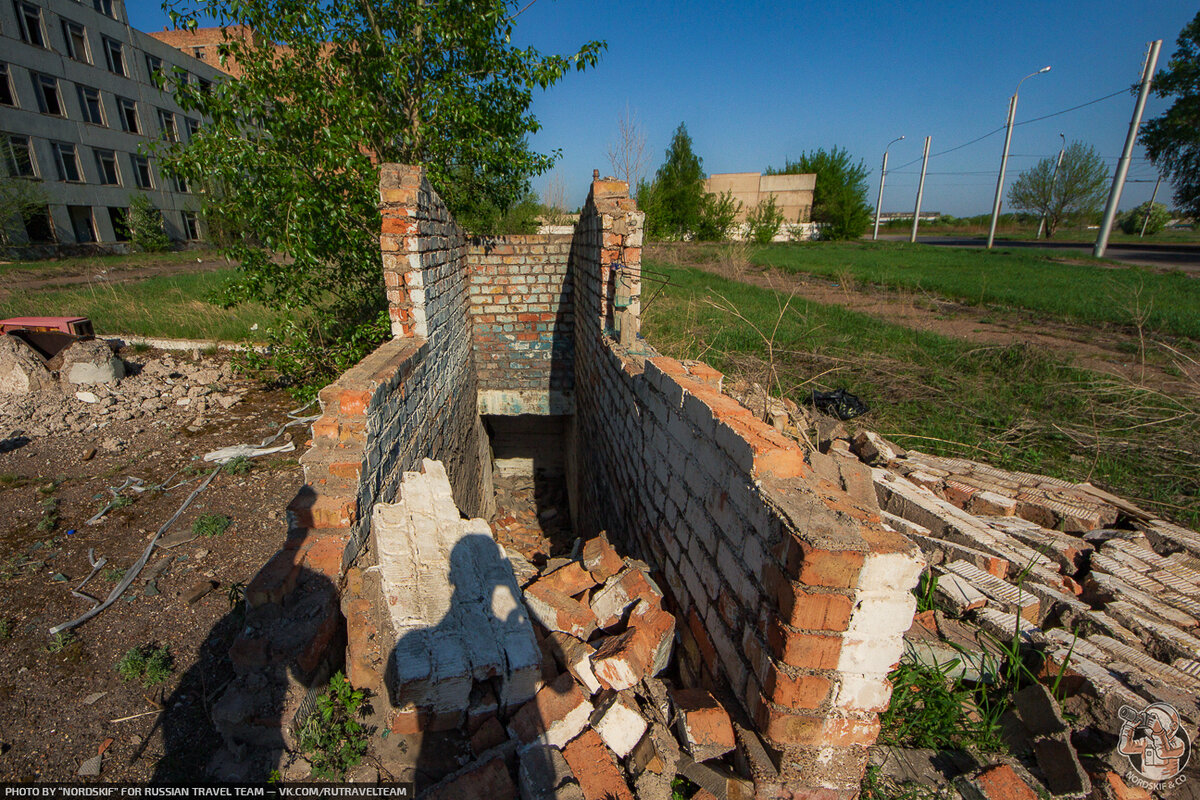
(718, 215)
(672, 201)
(289, 152)
(145, 223)
(840, 196)
(1173, 140)
(1080, 186)
(1134, 219)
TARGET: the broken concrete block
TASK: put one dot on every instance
(21, 368)
(595, 769)
(956, 595)
(873, 448)
(1060, 765)
(656, 629)
(600, 558)
(992, 503)
(619, 722)
(1010, 597)
(542, 771)
(90, 362)
(619, 594)
(621, 661)
(555, 715)
(1038, 711)
(575, 657)
(703, 724)
(559, 612)
(488, 779)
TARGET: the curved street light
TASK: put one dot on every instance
(882, 175)
(1012, 112)
(1053, 182)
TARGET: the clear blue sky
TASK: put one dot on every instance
(759, 81)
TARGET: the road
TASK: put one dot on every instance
(1185, 257)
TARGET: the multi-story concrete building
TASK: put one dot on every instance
(78, 108)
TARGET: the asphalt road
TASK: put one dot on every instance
(1163, 256)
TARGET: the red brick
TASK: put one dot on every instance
(789, 728)
(1118, 789)
(276, 579)
(324, 631)
(555, 714)
(352, 432)
(804, 650)
(325, 427)
(559, 612)
(595, 768)
(696, 625)
(354, 402)
(703, 723)
(958, 494)
(813, 611)
(1001, 782)
(814, 566)
(490, 780)
(324, 555)
(803, 691)
(621, 661)
(362, 651)
(348, 470)
(250, 653)
(571, 579)
(323, 511)
(401, 227)
(601, 559)
(490, 734)
(655, 630)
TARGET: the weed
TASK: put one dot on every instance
(113, 574)
(121, 502)
(47, 489)
(239, 466)
(148, 663)
(931, 709)
(211, 350)
(61, 641)
(926, 590)
(332, 739)
(210, 525)
(140, 347)
(5, 628)
(879, 787)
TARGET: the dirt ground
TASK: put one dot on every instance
(1108, 350)
(62, 700)
(68, 274)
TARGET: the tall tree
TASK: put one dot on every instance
(1173, 140)
(840, 195)
(1079, 188)
(289, 154)
(672, 201)
(627, 155)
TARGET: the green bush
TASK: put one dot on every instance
(210, 525)
(148, 663)
(718, 213)
(1131, 221)
(332, 739)
(145, 223)
(764, 220)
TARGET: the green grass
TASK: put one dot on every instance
(209, 525)
(1088, 293)
(150, 664)
(1017, 407)
(174, 306)
(80, 264)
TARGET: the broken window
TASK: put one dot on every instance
(166, 121)
(7, 96)
(76, 40)
(29, 20)
(191, 225)
(114, 54)
(119, 217)
(105, 7)
(141, 172)
(46, 89)
(129, 115)
(106, 165)
(154, 67)
(66, 162)
(89, 101)
(82, 223)
(18, 156)
(38, 226)
(193, 127)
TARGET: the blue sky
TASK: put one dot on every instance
(758, 81)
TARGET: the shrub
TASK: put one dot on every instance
(764, 221)
(718, 212)
(148, 663)
(332, 739)
(146, 225)
(1131, 221)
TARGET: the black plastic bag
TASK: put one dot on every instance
(839, 403)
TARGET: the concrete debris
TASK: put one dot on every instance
(22, 371)
(704, 726)
(89, 362)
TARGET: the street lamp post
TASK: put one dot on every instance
(882, 175)
(1012, 112)
(1053, 183)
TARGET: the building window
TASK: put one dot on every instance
(154, 66)
(38, 227)
(191, 225)
(129, 115)
(81, 221)
(29, 20)
(180, 184)
(114, 55)
(46, 89)
(119, 217)
(7, 96)
(141, 172)
(76, 41)
(193, 127)
(66, 162)
(106, 165)
(89, 101)
(166, 122)
(105, 7)
(205, 86)
(18, 156)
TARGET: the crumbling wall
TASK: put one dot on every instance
(523, 315)
(791, 595)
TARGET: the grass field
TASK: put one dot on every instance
(79, 264)
(175, 306)
(1014, 406)
(1082, 290)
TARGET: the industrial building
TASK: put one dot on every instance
(79, 111)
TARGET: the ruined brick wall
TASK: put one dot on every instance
(523, 315)
(792, 597)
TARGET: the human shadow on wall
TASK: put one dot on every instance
(461, 671)
(248, 707)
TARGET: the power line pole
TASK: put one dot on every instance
(1150, 208)
(1053, 183)
(1114, 196)
(1012, 113)
(882, 175)
(920, 190)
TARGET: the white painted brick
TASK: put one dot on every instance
(891, 571)
(882, 613)
(870, 653)
(859, 692)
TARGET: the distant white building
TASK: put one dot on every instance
(77, 98)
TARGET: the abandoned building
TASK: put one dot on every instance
(683, 564)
